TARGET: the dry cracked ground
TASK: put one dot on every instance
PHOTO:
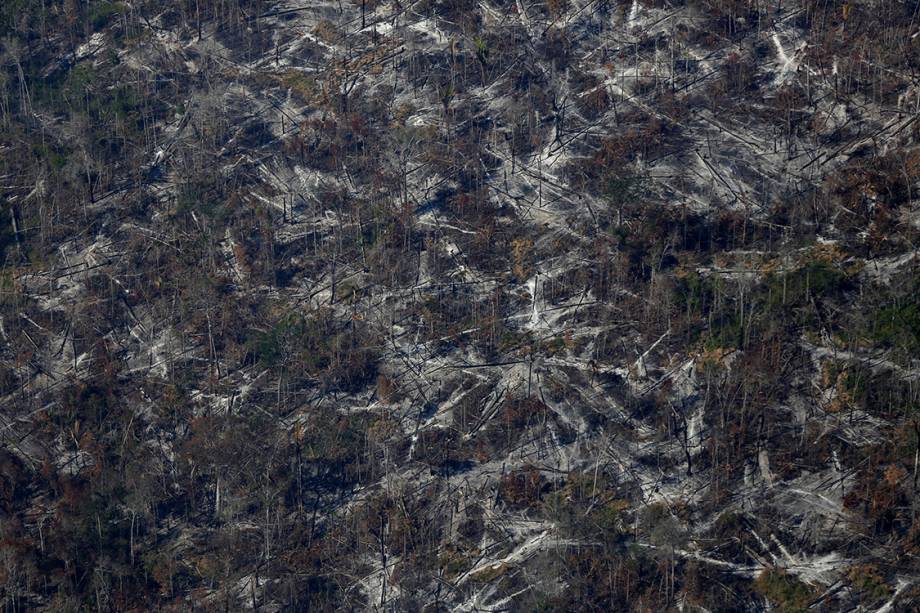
(454, 305)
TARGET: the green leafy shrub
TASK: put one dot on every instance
(784, 590)
(100, 13)
(866, 580)
(897, 326)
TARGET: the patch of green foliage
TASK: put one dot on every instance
(586, 508)
(777, 304)
(79, 91)
(200, 198)
(338, 356)
(300, 84)
(728, 522)
(100, 13)
(482, 50)
(691, 292)
(784, 590)
(55, 158)
(7, 238)
(815, 279)
(85, 407)
(13, 11)
(453, 562)
(897, 326)
(866, 580)
(291, 334)
(620, 190)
